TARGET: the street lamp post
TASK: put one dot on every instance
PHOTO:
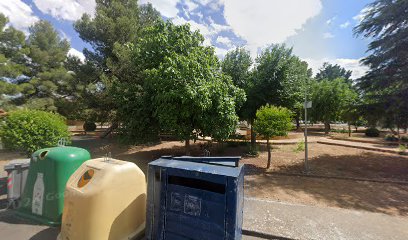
(306, 105)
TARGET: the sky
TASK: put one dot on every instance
(318, 30)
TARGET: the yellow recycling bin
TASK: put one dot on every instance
(104, 199)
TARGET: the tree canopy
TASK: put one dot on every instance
(331, 72)
(236, 64)
(272, 121)
(330, 98)
(385, 86)
(181, 79)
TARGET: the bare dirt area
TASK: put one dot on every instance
(285, 181)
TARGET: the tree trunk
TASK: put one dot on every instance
(268, 146)
(187, 145)
(297, 123)
(253, 138)
(326, 127)
(349, 130)
(405, 130)
(356, 128)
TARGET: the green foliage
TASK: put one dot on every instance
(89, 126)
(339, 130)
(331, 98)
(332, 72)
(189, 95)
(372, 132)
(30, 130)
(279, 79)
(402, 148)
(300, 146)
(236, 64)
(273, 121)
(35, 69)
(385, 86)
(112, 73)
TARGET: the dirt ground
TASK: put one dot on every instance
(285, 181)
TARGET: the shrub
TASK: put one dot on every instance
(30, 130)
(300, 146)
(390, 137)
(404, 138)
(89, 126)
(372, 132)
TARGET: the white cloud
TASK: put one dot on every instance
(220, 28)
(208, 31)
(21, 15)
(358, 70)
(191, 5)
(328, 35)
(330, 21)
(167, 8)
(262, 22)
(220, 52)
(203, 28)
(345, 25)
(66, 9)
(224, 40)
(76, 53)
(360, 16)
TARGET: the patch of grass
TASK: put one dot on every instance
(339, 130)
(300, 146)
(402, 148)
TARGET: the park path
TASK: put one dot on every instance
(379, 147)
(293, 221)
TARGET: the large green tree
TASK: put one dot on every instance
(12, 61)
(47, 79)
(331, 72)
(278, 79)
(331, 99)
(112, 33)
(385, 86)
(175, 86)
(34, 68)
(236, 64)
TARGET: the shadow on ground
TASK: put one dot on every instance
(49, 233)
(386, 198)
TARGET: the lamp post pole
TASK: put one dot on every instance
(306, 147)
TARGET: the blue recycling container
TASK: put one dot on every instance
(195, 198)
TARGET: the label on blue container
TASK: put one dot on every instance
(192, 205)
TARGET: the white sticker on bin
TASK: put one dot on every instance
(38, 195)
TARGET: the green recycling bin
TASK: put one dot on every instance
(50, 169)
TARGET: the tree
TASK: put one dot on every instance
(331, 98)
(112, 33)
(332, 72)
(278, 79)
(385, 86)
(236, 64)
(12, 61)
(189, 96)
(34, 69)
(271, 122)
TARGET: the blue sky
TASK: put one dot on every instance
(318, 30)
